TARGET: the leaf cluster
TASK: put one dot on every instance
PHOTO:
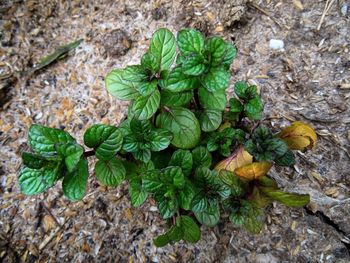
(179, 126)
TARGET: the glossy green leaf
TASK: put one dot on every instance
(143, 155)
(35, 181)
(147, 88)
(159, 140)
(149, 62)
(175, 99)
(137, 194)
(191, 231)
(105, 139)
(233, 181)
(110, 172)
(163, 48)
(229, 56)
(184, 126)
(74, 184)
(177, 81)
(287, 159)
(210, 120)
(121, 88)
(71, 152)
(152, 181)
(190, 41)
(135, 73)
(217, 48)
(43, 139)
(145, 107)
(253, 108)
(37, 161)
(174, 234)
(201, 157)
(209, 217)
(193, 65)
(212, 100)
(167, 207)
(216, 79)
(183, 159)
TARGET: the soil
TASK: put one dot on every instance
(309, 81)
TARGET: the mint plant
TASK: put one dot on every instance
(173, 145)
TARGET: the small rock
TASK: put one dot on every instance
(344, 10)
(276, 44)
(117, 43)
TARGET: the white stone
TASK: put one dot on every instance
(276, 44)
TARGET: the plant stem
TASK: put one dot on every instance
(89, 153)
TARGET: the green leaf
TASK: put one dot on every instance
(175, 174)
(111, 172)
(209, 217)
(161, 159)
(74, 184)
(235, 105)
(137, 194)
(216, 79)
(143, 155)
(167, 207)
(210, 120)
(193, 65)
(42, 139)
(37, 161)
(135, 73)
(59, 53)
(191, 231)
(190, 40)
(149, 62)
(287, 159)
(71, 152)
(174, 234)
(119, 87)
(147, 88)
(105, 139)
(201, 157)
(145, 107)
(241, 88)
(199, 203)
(278, 146)
(186, 195)
(175, 99)
(35, 181)
(288, 199)
(217, 48)
(151, 181)
(253, 108)
(183, 159)
(159, 140)
(177, 81)
(212, 100)
(163, 48)
(184, 126)
(233, 181)
(229, 56)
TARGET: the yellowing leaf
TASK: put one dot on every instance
(254, 170)
(239, 158)
(299, 136)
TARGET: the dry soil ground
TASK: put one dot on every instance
(308, 81)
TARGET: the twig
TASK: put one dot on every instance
(49, 212)
(266, 13)
(328, 5)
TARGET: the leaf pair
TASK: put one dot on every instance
(56, 154)
(107, 141)
(140, 82)
(248, 104)
(141, 138)
(170, 189)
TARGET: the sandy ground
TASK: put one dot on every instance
(309, 80)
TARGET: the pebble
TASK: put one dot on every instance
(276, 44)
(344, 10)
